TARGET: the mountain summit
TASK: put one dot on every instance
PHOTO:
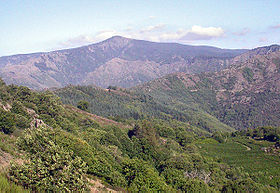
(116, 61)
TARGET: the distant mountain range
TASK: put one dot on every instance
(117, 61)
(246, 94)
(206, 86)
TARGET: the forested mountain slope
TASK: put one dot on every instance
(47, 146)
(244, 95)
(121, 104)
(116, 61)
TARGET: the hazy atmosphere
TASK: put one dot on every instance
(35, 25)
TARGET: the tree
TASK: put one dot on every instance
(143, 178)
(145, 130)
(112, 87)
(83, 105)
(7, 123)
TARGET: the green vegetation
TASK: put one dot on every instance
(243, 96)
(271, 134)
(7, 124)
(241, 150)
(83, 105)
(50, 167)
(248, 74)
(137, 105)
(7, 186)
(155, 147)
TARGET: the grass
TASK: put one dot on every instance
(9, 187)
(265, 167)
(7, 143)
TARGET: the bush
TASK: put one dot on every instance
(50, 168)
(83, 105)
(142, 178)
(7, 123)
(248, 74)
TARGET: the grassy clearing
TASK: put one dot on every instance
(7, 143)
(235, 152)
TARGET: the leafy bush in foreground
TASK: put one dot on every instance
(50, 167)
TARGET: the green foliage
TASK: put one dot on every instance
(248, 74)
(7, 144)
(7, 186)
(7, 123)
(50, 166)
(83, 105)
(137, 104)
(218, 137)
(271, 134)
(142, 178)
(18, 108)
(16, 118)
(168, 148)
(242, 152)
(145, 130)
(184, 138)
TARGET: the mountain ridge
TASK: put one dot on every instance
(246, 94)
(139, 60)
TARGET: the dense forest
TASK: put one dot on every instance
(49, 146)
(124, 104)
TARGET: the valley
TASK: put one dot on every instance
(208, 128)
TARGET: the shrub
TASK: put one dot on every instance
(248, 74)
(50, 167)
(7, 123)
(143, 178)
(83, 105)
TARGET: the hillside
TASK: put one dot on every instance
(117, 61)
(244, 95)
(121, 104)
(47, 146)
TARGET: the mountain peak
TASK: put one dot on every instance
(117, 38)
(116, 41)
(266, 49)
(260, 51)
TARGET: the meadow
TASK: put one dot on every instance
(248, 153)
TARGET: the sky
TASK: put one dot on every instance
(28, 26)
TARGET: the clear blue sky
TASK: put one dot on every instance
(43, 25)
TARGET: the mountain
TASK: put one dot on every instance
(117, 61)
(247, 94)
